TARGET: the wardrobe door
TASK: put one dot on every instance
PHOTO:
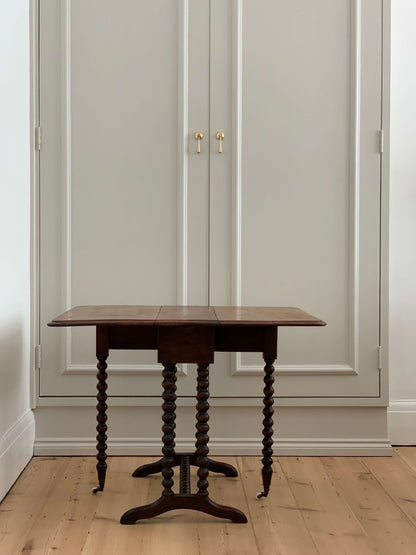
(295, 194)
(123, 193)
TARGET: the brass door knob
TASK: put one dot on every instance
(220, 138)
(198, 136)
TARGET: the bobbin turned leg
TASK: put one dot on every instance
(102, 354)
(164, 503)
(101, 426)
(206, 504)
(202, 428)
(168, 428)
(267, 427)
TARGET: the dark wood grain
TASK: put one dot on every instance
(249, 339)
(263, 315)
(185, 343)
(214, 466)
(183, 315)
(183, 501)
(268, 412)
(102, 346)
(202, 428)
(270, 343)
(177, 315)
(168, 428)
(133, 337)
(96, 315)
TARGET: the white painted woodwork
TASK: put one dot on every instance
(136, 430)
(16, 419)
(124, 196)
(402, 404)
(296, 87)
(288, 214)
(16, 450)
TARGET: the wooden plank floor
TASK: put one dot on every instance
(317, 505)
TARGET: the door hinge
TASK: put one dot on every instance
(37, 357)
(38, 138)
(381, 141)
(379, 357)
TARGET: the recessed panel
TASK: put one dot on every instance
(306, 105)
(119, 174)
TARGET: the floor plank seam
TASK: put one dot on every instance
(405, 461)
(250, 520)
(299, 508)
(347, 504)
(392, 498)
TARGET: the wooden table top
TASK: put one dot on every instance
(185, 315)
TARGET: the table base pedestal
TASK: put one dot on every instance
(213, 466)
(184, 499)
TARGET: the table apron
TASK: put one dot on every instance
(189, 343)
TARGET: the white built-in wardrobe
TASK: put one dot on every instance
(133, 209)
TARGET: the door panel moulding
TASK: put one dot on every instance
(182, 187)
(237, 367)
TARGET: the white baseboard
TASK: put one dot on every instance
(242, 446)
(16, 450)
(401, 418)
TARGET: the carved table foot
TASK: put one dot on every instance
(220, 467)
(183, 501)
(151, 468)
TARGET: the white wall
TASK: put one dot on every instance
(402, 412)
(16, 419)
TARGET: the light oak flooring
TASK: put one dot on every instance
(317, 505)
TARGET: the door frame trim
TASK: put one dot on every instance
(182, 182)
(34, 11)
(384, 203)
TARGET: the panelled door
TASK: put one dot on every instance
(288, 214)
(296, 89)
(123, 194)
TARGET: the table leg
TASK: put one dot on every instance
(202, 428)
(215, 466)
(267, 427)
(168, 428)
(102, 423)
